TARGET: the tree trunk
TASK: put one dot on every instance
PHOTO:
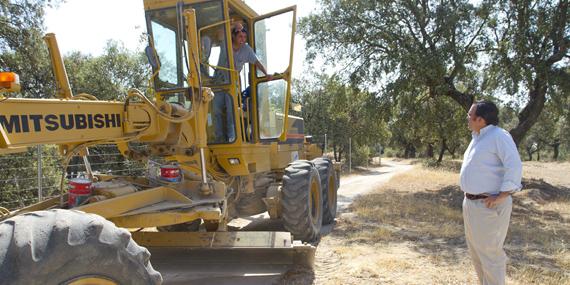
(334, 153)
(529, 153)
(429, 152)
(555, 148)
(410, 151)
(556, 152)
(441, 151)
(538, 154)
(452, 151)
(529, 114)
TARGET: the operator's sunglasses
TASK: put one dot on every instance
(236, 31)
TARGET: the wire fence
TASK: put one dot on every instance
(35, 175)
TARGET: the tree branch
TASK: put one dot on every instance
(561, 73)
(465, 100)
(413, 34)
(420, 21)
(560, 54)
(476, 34)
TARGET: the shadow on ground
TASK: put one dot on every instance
(432, 220)
(449, 165)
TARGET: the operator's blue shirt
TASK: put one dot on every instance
(491, 163)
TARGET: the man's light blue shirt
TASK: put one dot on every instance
(491, 163)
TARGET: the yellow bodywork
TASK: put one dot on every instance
(175, 131)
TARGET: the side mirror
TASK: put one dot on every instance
(152, 57)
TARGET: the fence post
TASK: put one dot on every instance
(87, 164)
(325, 151)
(40, 173)
(349, 155)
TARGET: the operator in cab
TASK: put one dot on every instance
(242, 54)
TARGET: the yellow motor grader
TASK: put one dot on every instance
(228, 154)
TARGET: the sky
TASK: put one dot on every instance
(86, 25)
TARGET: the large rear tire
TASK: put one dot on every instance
(301, 201)
(329, 184)
(70, 247)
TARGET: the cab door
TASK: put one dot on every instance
(273, 38)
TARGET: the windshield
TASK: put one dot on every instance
(164, 31)
(170, 45)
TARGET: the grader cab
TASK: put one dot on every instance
(228, 154)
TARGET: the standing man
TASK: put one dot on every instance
(490, 173)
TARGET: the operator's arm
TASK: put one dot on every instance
(262, 68)
(252, 58)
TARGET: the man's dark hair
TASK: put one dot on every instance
(488, 111)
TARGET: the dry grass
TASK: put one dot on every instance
(554, 172)
(410, 231)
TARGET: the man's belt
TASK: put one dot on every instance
(475, 197)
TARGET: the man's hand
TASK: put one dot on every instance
(493, 201)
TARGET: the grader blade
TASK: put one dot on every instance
(225, 257)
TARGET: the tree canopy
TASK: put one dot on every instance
(513, 51)
(341, 112)
(107, 76)
(21, 46)
(110, 75)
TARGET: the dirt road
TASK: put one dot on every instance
(185, 268)
(361, 182)
(368, 180)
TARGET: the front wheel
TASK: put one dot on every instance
(71, 247)
(329, 184)
(301, 201)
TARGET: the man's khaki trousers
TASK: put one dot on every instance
(485, 232)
